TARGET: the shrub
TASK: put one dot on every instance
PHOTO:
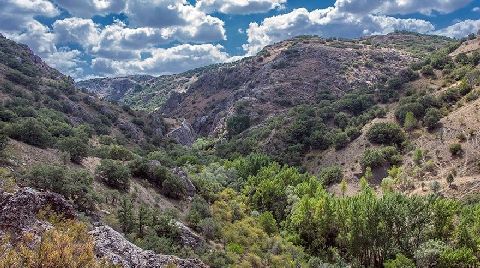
(386, 133)
(427, 70)
(76, 147)
(3, 142)
(373, 158)
(66, 244)
(400, 261)
(331, 175)
(237, 124)
(410, 122)
(74, 185)
(340, 140)
(172, 187)
(455, 149)
(31, 131)
(114, 174)
(115, 152)
(198, 211)
(432, 117)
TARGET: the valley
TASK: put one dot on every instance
(315, 152)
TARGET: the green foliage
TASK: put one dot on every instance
(173, 187)
(199, 211)
(340, 140)
(31, 131)
(378, 157)
(410, 122)
(115, 152)
(400, 261)
(431, 119)
(114, 173)
(76, 147)
(237, 124)
(386, 133)
(331, 175)
(455, 149)
(267, 190)
(76, 185)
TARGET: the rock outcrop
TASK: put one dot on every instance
(18, 211)
(113, 246)
(184, 134)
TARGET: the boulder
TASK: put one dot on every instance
(18, 211)
(113, 246)
(184, 134)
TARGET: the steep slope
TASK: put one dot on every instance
(31, 89)
(281, 76)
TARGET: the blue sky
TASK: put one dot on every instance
(94, 38)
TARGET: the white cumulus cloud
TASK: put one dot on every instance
(329, 22)
(239, 6)
(460, 29)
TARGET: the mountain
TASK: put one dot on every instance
(281, 76)
(313, 153)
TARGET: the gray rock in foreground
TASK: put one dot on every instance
(113, 246)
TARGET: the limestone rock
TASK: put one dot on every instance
(114, 247)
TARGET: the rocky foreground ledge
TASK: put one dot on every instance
(18, 214)
(113, 246)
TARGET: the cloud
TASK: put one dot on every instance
(89, 8)
(460, 29)
(163, 61)
(16, 14)
(242, 7)
(327, 22)
(476, 9)
(403, 7)
(76, 30)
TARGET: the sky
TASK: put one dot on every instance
(107, 38)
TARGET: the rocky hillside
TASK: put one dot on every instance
(281, 76)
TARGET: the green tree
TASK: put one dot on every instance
(330, 175)
(126, 216)
(400, 261)
(410, 121)
(76, 147)
(386, 133)
(114, 174)
(432, 117)
(31, 131)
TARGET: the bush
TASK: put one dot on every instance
(455, 149)
(66, 244)
(76, 147)
(331, 175)
(74, 185)
(340, 140)
(400, 261)
(427, 70)
(3, 142)
(198, 211)
(373, 158)
(237, 124)
(115, 152)
(432, 117)
(114, 174)
(172, 187)
(30, 131)
(386, 133)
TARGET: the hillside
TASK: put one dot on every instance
(314, 153)
(281, 76)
